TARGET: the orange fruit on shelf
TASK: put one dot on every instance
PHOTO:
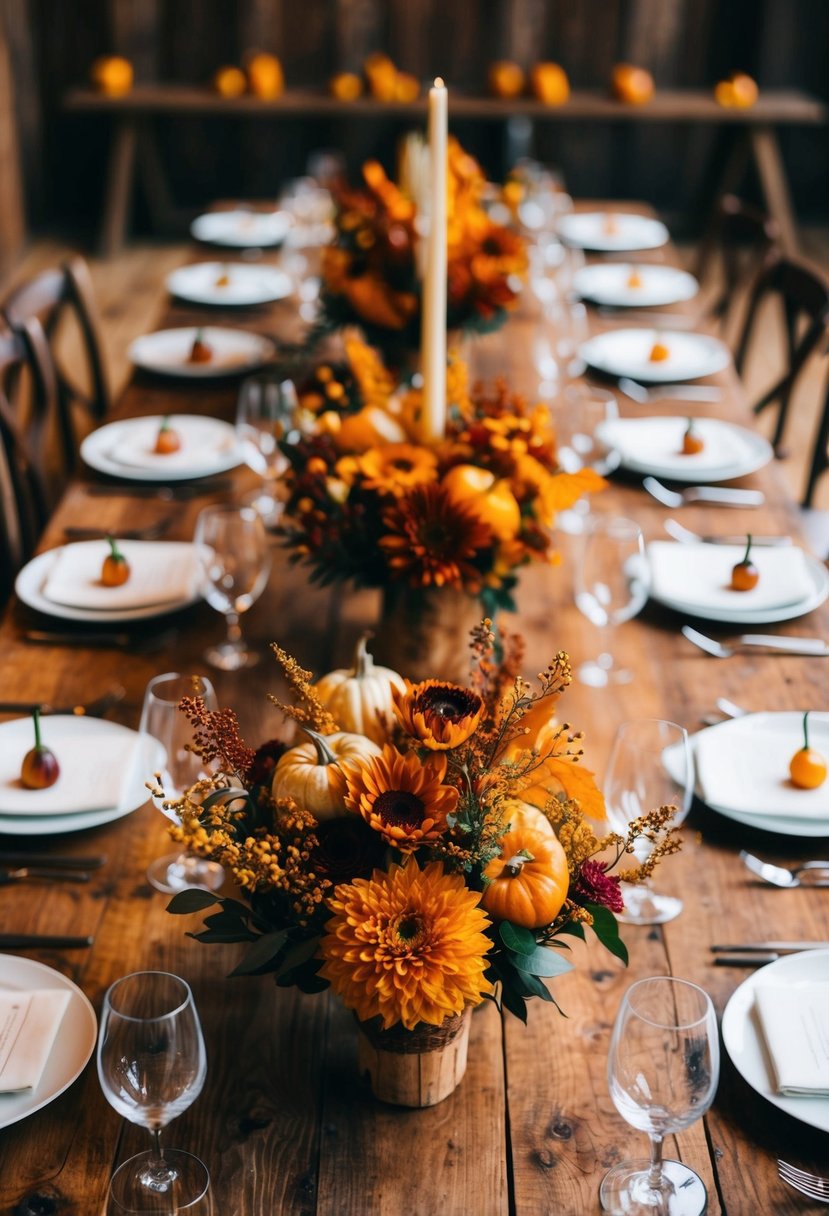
(738, 91)
(345, 86)
(229, 81)
(265, 76)
(634, 86)
(406, 87)
(112, 75)
(549, 84)
(506, 79)
(381, 76)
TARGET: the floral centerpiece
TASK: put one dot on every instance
(370, 273)
(445, 860)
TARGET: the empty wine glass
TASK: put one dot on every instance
(265, 415)
(662, 1072)
(232, 546)
(612, 581)
(152, 1065)
(164, 726)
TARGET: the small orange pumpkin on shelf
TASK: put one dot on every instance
(632, 85)
(345, 86)
(506, 79)
(116, 569)
(738, 91)
(229, 81)
(112, 75)
(265, 77)
(807, 767)
(745, 576)
(528, 883)
(549, 84)
(381, 76)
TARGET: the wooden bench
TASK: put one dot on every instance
(134, 142)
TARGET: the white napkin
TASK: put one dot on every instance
(697, 576)
(795, 1022)
(747, 770)
(161, 572)
(658, 441)
(29, 1023)
(204, 441)
(96, 771)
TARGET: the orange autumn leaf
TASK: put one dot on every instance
(564, 489)
(559, 774)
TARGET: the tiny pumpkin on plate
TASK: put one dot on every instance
(360, 696)
(305, 772)
(528, 883)
(115, 569)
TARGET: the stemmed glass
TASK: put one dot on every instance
(612, 582)
(265, 414)
(232, 546)
(577, 415)
(651, 765)
(662, 1071)
(162, 722)
(152, 1065)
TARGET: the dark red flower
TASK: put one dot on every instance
(347, 848)
(264, 762)
(597, 887)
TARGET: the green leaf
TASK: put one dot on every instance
(220, 939)
(529, 985)
(265, 948)
(607, 931)
(514, 1002)
(516, 938)
(298, 954)
(195, 900)
(227, 921)
(542, 962)
(574, 927)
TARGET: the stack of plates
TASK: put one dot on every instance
(611, 231)
(626, 352)
(654, 446)
(103, 770)
(126, 449)
(233, 351)
(694, 579)
(236, 285)
(242, 229)
(65, 582)
(609, 283)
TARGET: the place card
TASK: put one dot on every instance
(795, 1023)
(29, 1023)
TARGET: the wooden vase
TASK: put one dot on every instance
(417, 1067)
(424, 632)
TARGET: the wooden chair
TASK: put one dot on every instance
(25, 495)
(50, 297)
(741, 241)
(804, 294)
(820, 455)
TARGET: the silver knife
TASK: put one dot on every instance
(42, 874)
(814, 646)
(763, 947)
(723, 495)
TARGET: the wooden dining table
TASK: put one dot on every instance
(284, 1123)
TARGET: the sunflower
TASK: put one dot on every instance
(396, 468)
(407, 946)
(433, 540)
(400, 796)
(438, 715)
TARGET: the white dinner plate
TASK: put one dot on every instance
(609, 283)
(242, 229)
(74, 739)
(819, 578)
(31, 579)
(654, 446)
(209, 446)
(231, 284)
(612, 231)
(54, 825)
(168, 350)
(626, 352)
(743, 1036)
(72, 1048)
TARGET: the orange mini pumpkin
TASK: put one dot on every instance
(491, 500)
(528, 883)
(112, 75)
(345, 86)
(634, 86)
(506, 79)
(738, 91)
(549, 84)
(229, 81)
(265, 76)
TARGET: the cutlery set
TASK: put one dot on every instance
(722, 496)
(771, 643)
(45, 868)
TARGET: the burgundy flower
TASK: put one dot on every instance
(264, 762)
(348, 848)
(597, 887)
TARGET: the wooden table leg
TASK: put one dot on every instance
(772, 174)
(118, 195)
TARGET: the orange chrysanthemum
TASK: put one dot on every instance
(433, 541)
(407, 946)
(397, 468)
(438, 715)
(400, 796)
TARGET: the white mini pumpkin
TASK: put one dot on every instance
(304, 772)
(360, 697)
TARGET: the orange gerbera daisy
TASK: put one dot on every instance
(395, 468)
(400, 796)
(407, 946)
(438, 715)
(433, 540)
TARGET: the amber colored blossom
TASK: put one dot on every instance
(395, 468)
(433, 541)
(407, 946)
(438, 715)
(400, 796)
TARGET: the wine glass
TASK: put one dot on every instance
(265, 414)
(232, 546)
(152, 1065)
(662, 1071)
(577, 415)
(651, 765)
(612, 581)
(164, 725)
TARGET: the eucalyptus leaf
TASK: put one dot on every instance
(194, 900)
(516, 938)
(542, 962)
(265, 948)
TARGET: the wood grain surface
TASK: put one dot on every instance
(284, 1123)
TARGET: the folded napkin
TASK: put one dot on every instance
(697, 576)
(658, 441)
(161, 572)
(204, 442)
(747, 769)
(795, 1023)
(29, 1023)
(96, 769)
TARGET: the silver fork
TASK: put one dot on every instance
(673, 392)
(806, 875)
(722, 495)
(811, 1185)
(686, 537)
(816, 648)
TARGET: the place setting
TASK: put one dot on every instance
(229, 284)
(201, 352)
(655, 356)
(685, 449)
(624, 286)
(242, 228)
(164, 448)
(612, 231)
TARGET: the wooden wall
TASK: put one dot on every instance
(683, 42)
